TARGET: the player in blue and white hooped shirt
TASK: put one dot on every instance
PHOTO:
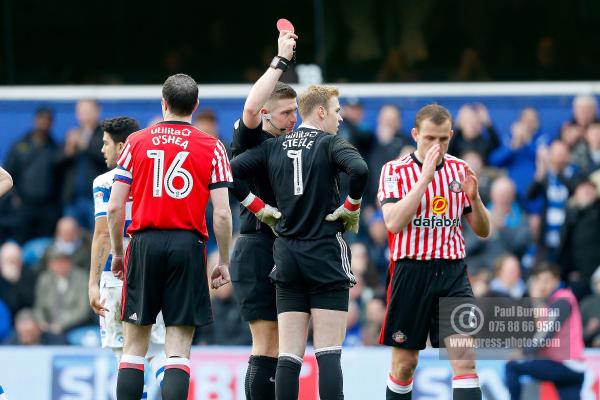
(104, 289)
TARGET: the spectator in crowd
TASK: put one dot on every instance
(485, 175)
(81, 161)
(352, 128)
(588, 160)
(518, 156)
(572, 135)
(395, 68)
(374, 316)
(579, 254)
(480, 282)
(361, 264)
(507, 280)
(585, 111)
(32, 163)
(510, 233)
(388, 145)
(553, 182)
(562, 365)
(548, 67)
(17, 284)
(474, 131)
(590, 313)
(72, 240)
(28, 332)
(60, 300)
(206, 121)
(470, 67)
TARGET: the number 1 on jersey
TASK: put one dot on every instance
(175, 170)
(296, 156)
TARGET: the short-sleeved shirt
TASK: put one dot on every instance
(435, 231)
(101, 192)
(171, 167)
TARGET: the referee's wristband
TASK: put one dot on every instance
(279, 62)
(351, 204)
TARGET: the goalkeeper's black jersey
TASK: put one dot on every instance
(303, 169)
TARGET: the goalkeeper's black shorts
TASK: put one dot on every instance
(312, 274)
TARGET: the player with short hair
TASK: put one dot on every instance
(171, 169)
(104, 289)
(424, 196)
(269, 111)
(312, 260)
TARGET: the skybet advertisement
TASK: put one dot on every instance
(67, 373)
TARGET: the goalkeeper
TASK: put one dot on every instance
(312, 260)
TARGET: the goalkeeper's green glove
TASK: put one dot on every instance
(265, 213)
(348, 213)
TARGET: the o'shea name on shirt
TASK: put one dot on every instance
(170, 135)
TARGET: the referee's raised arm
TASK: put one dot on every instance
(263, 87)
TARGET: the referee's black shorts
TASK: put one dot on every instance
(413, 292)
(251, 264)
(166, 270)
(312, 274)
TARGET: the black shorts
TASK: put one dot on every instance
(251, 264)
(312, 274)
(413, 292)
(166, 270)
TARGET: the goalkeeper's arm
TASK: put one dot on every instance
(242, 166)
(349, 160)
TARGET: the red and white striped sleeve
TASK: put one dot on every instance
(221, 175)
(125, 165)
(390, 184)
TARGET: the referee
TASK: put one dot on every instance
(424, 196)
(312, 261)
(269, 111)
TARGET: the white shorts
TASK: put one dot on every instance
(111, 326)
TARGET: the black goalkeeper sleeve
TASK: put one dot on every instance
(243, 167)
(349, 160)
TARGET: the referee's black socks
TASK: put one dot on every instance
(398, 390)
(331, 381)
(260, 378)
(466, 387)
(130, 381)
(287, 376)
(176, 381)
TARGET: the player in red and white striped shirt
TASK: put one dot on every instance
(171, 169)
(424, 196)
